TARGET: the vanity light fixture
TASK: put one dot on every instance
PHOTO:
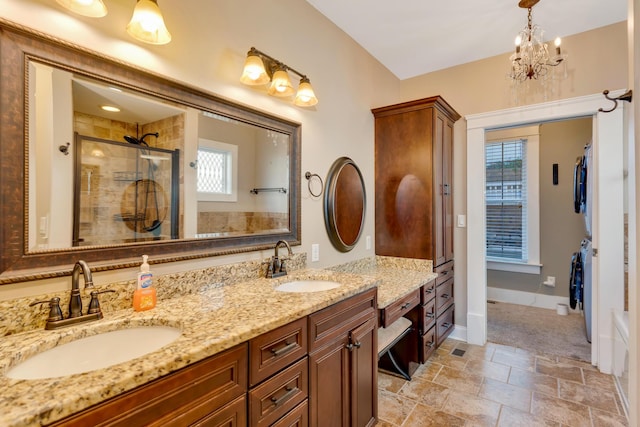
(147, 23)
(91, 8)
(260, 69)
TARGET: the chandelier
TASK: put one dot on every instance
(531, 59)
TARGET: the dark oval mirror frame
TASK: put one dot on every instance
(18, 45)
(339, 208)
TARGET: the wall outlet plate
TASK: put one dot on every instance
(315, 252)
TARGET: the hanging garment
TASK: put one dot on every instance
(588, 191)
(580, 185)
(576, 278)
(586, 253)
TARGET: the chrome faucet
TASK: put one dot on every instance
(276, 266)
(75, 303)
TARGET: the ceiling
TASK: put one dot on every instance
(414, 37)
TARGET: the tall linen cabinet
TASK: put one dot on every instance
(414, 193)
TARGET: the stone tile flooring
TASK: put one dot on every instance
(497, 385)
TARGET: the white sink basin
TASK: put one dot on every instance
(94, 352)
(307, 286)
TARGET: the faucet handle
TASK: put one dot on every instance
(55, 313)
(94, 304)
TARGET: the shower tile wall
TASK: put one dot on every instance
(241, 222)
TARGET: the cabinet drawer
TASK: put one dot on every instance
(178, 399)
(428, 292)
(444, 295)
(445, 272)
(428, 344)
(329, 324)
(233, 414)
(427, 316)
(444, 324)
(297, 417)
(399, 308)
(274, 350)
(278, 395)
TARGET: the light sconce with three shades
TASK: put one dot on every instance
(261, 69)
(146, 25)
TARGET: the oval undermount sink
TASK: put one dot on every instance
(307, 286)
(94, 352)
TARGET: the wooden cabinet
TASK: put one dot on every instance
(427, 321)
(444, 302)
(413, 173)
(211, 392)
(342, 363)
(319, 370)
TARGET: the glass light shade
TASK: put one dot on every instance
(305, 97)
(254, 72)
(147, 23)
(91, 8)
(281, 84)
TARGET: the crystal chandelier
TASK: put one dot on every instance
(531, 59)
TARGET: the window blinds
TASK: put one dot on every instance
(506, 200)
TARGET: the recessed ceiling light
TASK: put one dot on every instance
(110, 108)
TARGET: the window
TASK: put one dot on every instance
(506, 200)
(511, 201)
(217, 171)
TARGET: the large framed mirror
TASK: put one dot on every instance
(171, 171)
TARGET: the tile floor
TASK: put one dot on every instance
(497, 385)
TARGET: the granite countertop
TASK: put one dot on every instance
(396, 276)
(215, 318)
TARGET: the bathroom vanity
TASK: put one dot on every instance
(247, 353)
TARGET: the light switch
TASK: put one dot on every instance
(462, 221)
(368, 242)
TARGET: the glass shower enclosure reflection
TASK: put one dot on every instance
(124, 192)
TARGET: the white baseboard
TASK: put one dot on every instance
(525, 298)
(459, 333)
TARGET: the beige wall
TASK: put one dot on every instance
(347, 80)
(561, 229)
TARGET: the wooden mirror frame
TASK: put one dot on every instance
(19, 44)
(341, 207)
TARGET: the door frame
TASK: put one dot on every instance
(608, 229)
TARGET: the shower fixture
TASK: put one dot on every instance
(140, 141)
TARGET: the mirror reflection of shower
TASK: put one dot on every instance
(126, 194)
(147, 188)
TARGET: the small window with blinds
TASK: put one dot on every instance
(506, 200)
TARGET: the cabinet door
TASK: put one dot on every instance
(364, 374)
(329, 385)
(447, 173)
(439, 192)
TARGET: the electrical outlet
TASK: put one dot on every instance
(315, 252)
(551, 281)
(368, 242)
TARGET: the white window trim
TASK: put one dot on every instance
(532, 135)
(233, 150)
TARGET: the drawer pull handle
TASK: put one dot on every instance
(445, 296)
(430, 344)
(446, 325)
(405, 305)
(290, 392)
(444, 273)
(286, 349)
(431, 315)
(430, 290)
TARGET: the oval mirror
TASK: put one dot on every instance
(344, 204)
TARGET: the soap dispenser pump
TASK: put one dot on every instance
(144, 297)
